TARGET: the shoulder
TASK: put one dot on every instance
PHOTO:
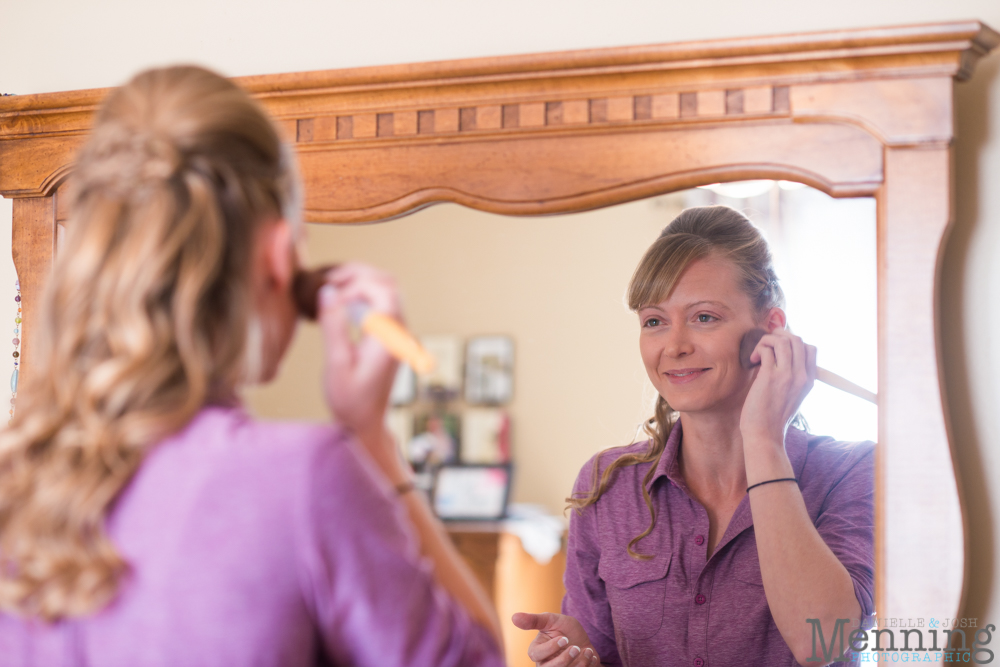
(232, 432)
(599, 462)
(227, 444)
(831, 455)
(830, 464)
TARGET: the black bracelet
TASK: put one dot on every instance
(404, 488)
(780, 479)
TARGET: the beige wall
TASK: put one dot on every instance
(53, 45)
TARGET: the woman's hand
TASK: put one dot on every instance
(785, 376)
(561, 641)
(358, 376)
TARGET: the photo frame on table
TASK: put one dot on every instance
(471, 492)
(489, 370)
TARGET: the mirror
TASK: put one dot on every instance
(556, 286)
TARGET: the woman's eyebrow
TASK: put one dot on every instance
(706, 302)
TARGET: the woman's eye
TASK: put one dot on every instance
(705, 317)
(651, 322)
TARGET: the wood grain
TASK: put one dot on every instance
(914, 214)
(580, 170)
(33, 248)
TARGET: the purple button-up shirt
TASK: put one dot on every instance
(682, 607)
(263, 544)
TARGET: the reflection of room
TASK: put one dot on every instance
(555, 287)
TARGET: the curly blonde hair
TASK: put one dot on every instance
(694, 234)
(145, 319)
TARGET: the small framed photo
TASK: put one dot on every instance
(489, 370)
(485, 436)
(471, 492)
(435, 440)
(444, 383)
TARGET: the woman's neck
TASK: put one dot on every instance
(711, 455)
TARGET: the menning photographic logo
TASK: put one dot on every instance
(878, 644)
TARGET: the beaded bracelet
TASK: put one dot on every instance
(17, 353)
(780, 479)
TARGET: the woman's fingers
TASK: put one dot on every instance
(561, 640)
(526, 621)
(545, 648)
(573, 656)
(787, 371)
(335, 324)
(803, 377)
(361, 282)
(358, 376)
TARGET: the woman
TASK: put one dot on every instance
(145, 519)
(714, 541)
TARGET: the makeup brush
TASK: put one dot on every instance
(396, 339)
(752, 337)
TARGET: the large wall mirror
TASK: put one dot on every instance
(861, 114)
(555, 285)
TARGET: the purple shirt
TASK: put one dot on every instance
(682, 608)
(261, 544)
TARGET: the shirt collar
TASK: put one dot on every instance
(796, 446)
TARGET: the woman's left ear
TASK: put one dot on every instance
(279, 253)
(775, 320)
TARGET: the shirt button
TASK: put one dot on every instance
(699, 599)
(699, 540)
(698, 662)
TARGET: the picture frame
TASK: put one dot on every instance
(435, 440)
(471, 492)
(489, 370)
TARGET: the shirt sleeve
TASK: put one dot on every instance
(373, 596)
(586, 599)
(846, 522)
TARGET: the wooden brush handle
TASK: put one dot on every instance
(843, 384)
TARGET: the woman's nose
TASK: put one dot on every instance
(678, 343)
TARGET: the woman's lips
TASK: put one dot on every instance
(684, 375)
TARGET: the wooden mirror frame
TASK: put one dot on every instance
(852, 113)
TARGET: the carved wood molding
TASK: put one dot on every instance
(623, 89)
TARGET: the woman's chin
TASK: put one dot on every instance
(695, 402)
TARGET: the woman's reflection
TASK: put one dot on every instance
(713, 542)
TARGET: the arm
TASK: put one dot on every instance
(802, 576)
(358, 378)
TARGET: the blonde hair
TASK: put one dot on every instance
(144, 320)
(694, 234)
